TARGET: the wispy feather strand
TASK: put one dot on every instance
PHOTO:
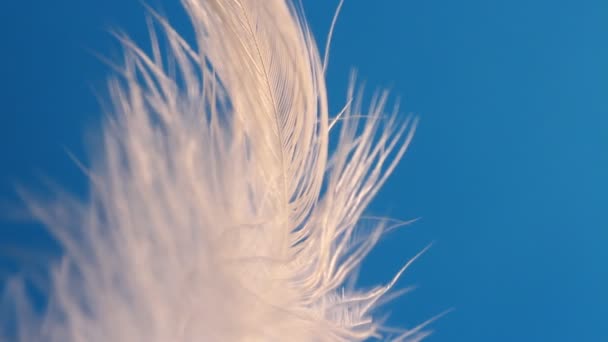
(216, 212)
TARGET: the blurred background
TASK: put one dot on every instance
(508, 170)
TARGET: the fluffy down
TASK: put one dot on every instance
(216, 211)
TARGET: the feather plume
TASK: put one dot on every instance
(216, 211)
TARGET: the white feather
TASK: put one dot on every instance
(216, 212)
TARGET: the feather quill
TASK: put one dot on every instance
(216, 211)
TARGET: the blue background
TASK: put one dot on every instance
(508, 170)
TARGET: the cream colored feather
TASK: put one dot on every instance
(216, 210)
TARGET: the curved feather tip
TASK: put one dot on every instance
(216, 211)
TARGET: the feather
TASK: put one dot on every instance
(216, 211)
